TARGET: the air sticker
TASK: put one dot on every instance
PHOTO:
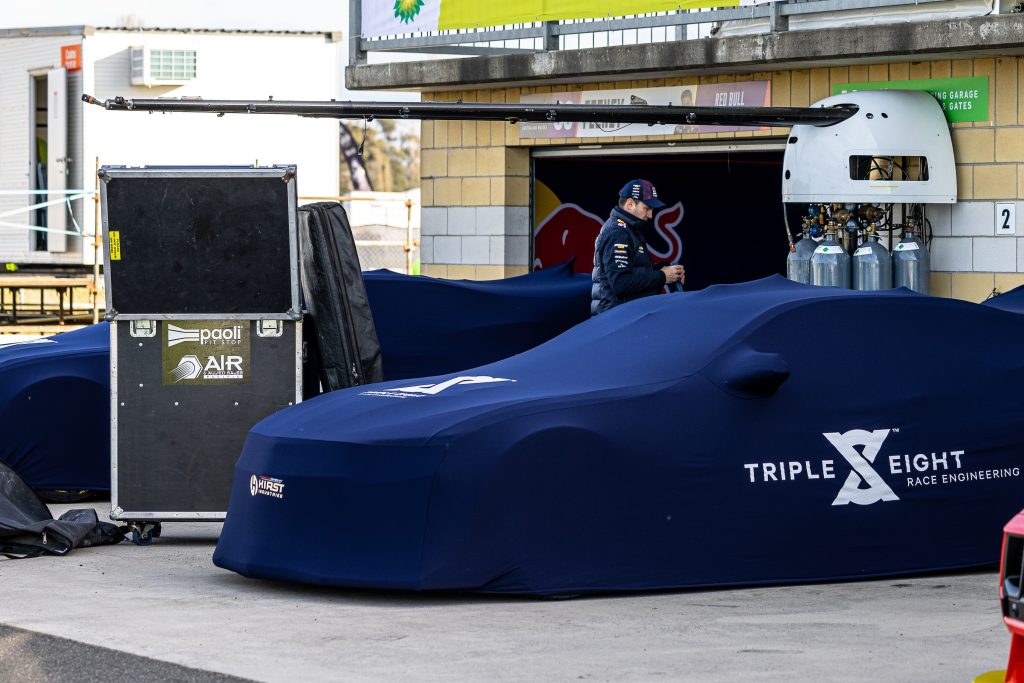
(906, 246)
(206, 352)
(115, 245)
(862, 251)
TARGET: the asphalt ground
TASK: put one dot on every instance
(165, 612)
(28, 656)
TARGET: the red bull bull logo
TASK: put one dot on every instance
(570, 232)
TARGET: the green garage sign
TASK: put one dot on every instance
(962, 99)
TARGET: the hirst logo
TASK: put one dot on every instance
(863, 486)
(253, 485)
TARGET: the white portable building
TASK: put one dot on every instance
(51, 143)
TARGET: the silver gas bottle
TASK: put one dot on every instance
(871, 265)
(911, 266)
(830, 264)
(798, 264)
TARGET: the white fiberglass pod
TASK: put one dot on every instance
(895, 149)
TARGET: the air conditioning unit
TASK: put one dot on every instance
(155, 67)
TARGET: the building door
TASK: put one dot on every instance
(49, 162)
(37, 160)
(57, 158)
(723, 218)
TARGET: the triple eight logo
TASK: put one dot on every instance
(864, 484)
(861, 460)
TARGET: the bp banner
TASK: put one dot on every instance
(742, 94)
(392, 17)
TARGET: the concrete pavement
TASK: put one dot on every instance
(167, 602)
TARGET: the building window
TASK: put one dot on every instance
(172, 65)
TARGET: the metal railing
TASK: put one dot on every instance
(549, 36)
(63, 197)
(62, 287)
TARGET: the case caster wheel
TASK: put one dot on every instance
(139, 539)
(143, 534)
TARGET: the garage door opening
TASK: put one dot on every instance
(723, 217)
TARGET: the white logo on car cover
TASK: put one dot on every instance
(263, 485)
(438, 388)
(433, 389)
(41, 340)
(861, 461)
(866, 482)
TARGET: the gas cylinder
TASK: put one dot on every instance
(830, 264)
(871, 265)
(911, 266)
(798, 263)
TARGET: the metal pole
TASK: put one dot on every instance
(778, 21)
(96, 245)
(356, 54)
(550, 39)
(408, 237)
(487, 111)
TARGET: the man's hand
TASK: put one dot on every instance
(674, 274)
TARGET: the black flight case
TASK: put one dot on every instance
(202, 291)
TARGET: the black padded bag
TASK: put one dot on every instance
(335, 295)
(27, 529)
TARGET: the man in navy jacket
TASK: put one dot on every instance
(622, 267)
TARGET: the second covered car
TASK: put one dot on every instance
(744, 434)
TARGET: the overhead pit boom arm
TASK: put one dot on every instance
(513, 113)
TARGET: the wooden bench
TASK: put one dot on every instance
(11, 286)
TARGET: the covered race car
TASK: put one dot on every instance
(1012, 301)
(743, 434)
(55, 392)
(55, 410)
(429, 326)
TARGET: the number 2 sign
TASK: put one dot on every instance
(1006, 223)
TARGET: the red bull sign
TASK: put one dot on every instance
(573, 195)
(570, 232)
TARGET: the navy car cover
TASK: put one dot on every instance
(54, 393)
(742, 434)
(1009, 301)
(55, 409)
(430, 326)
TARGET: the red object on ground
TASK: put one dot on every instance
(1011, 599)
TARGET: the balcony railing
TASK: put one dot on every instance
(637, 29)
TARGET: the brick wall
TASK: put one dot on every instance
(476, 196)
(476, 191)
